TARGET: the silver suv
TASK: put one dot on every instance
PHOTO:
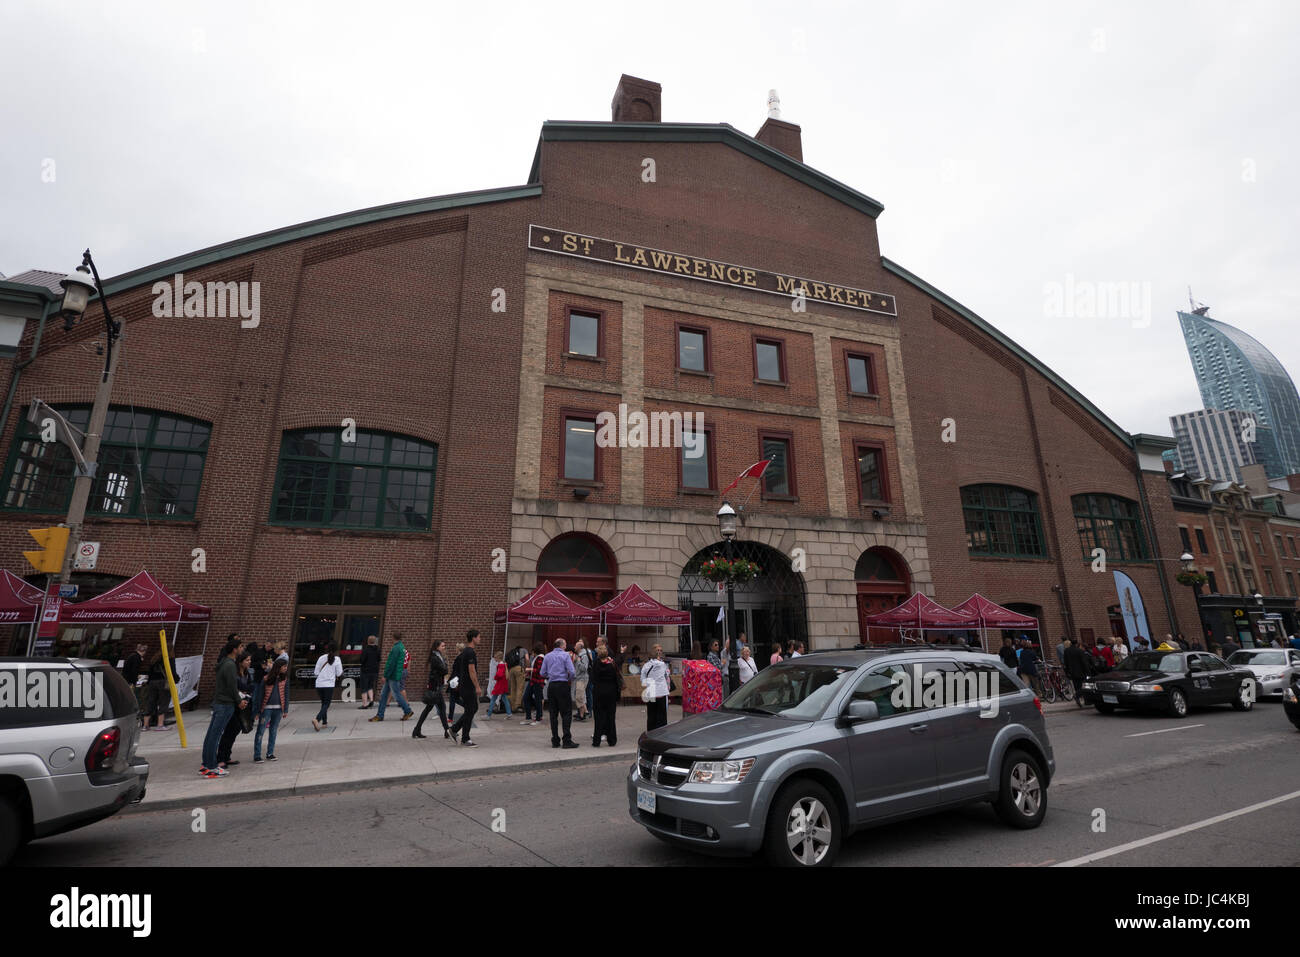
(812, 749)
(68, 734)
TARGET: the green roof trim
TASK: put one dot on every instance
(1010, 345)
(316, 227)
(1155, 441)
(597, 132)
(21, 292)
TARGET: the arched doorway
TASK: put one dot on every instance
(582, 567)
(772, 608)
(336, 611)
(883, 582)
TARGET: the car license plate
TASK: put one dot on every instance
(645, 800)
(1109, 699)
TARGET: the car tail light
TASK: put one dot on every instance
(103, 750)
(1038, 704)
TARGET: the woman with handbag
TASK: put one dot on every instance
(747, 667)
(241, 722)
(656, 682)
(270, 704)
(433, 691)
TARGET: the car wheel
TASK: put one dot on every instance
(1022, 800)
(1105, 708)
(1245, 699)
(1177, 703)
(803, 827)
(11, 830)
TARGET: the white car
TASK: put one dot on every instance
(1273, 668)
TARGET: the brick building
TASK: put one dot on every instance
(479, 343)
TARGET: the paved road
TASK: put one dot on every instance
(1150, 774)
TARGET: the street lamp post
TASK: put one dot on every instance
(1189, 566)
(727, 525)
(1259, 600)
(76, 297)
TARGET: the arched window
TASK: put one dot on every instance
(1002, 520)
(1110, 523)
(576, 561)
(150, 465)
(378, 481)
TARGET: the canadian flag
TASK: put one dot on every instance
(754, 471)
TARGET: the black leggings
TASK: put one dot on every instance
(656, 714)
(438, 703)
(326, 696)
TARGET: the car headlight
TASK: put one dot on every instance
(1271, 677)
(720, 772)
(1144, 687)
(1090, 686)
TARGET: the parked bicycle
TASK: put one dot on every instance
(1056, 684)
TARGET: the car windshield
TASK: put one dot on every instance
(1153, 661)
(799, 691)
(1257, 658)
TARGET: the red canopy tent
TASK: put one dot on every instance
(139, 600)
(20, 603)
(921, 613)
(992, 615)
(634, 606)
(544, 605)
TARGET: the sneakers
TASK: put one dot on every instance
(270, 757)
(525, 723)
(218, 773)
(470, 744)
(376, 718)
(256, 759)
(408, 714)
(203, 771)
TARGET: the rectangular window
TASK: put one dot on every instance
(779, 478)
(1268, 581)
(697, 460)
(1200, 542)
(1290, 539)
(1250, 580)
(769, 360)
(584, 333)
(580, 449)
(693, 350)
(859, 374)
(1223, 538)
(1212, 582)
(871, 473)
(1187, 539)
(1280, 550)
(1290, 583)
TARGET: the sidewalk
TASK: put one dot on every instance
(353, 753)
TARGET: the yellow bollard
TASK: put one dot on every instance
(171, 683)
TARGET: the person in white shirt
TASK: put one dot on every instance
(747, 667)
(329, 669)
(656, 676)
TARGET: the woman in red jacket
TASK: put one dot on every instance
(499, 688)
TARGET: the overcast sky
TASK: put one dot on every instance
(1024, 152)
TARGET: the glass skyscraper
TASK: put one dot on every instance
(1234, 371)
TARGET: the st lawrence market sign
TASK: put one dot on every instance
(706, 270)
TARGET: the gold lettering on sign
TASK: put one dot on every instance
(683, 264)
(750, 279)
(733, 274)
(638, 258)
(661, 260)
(570, 243)
(785, 284)
(618, 253)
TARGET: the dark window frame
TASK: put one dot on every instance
(583, 415)
(1201, 545)
(869, 359)
(787, 437)
(757, 339)
(678, 329)
(1088, 522)
(882, 467)
(984, 509)
(599, 316)
(711, 463)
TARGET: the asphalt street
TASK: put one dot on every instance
(1158, 781)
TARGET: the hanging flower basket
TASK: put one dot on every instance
(739, 570)
(743, 570)
(1191, 578)
(716, 569)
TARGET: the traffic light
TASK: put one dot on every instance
(54, 544)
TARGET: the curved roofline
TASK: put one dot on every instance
(1012, 346)
(315, 227)
(598, 132)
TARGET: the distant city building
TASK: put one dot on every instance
(1210, 443)
(1234, 371)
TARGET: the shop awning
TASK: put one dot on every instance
(140, 599)
(547, 605)
(634, 606)
(921, 612)
(20, 603)
(992, 615)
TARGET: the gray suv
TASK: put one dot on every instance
(68, 734)
(816, 747)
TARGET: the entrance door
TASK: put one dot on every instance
(312, 636)
(883, 583)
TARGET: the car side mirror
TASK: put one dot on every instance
(861, 711)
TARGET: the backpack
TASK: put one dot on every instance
(512, 659)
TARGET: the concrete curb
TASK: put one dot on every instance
(172, 804)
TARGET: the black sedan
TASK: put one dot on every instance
(1172, 682)
(1291, 702)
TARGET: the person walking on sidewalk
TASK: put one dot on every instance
(581, 675)
(656, 678)
(606, 689)
(237, 725)
(329, 669)
(746, 664)
(394, 678)
(369, 673)
(269, 707)
(498, 686)
(225, 701)
(1076, 667)
(557, 669)
(533, 693)
(516, 661)
(159, 696)
(433, 691)
(464, 676)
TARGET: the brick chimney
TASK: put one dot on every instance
(782, 136)
(636, 101)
